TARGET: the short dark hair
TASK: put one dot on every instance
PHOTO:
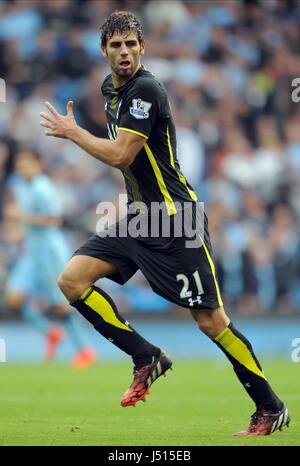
(122, 22)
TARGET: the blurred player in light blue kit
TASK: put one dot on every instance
(32, 283)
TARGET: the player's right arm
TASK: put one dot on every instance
(119, 153)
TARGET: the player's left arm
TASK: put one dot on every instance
(12, 213)
(42, 220)
(45, 209)
(119, 153)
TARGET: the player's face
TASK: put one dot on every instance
(27, 166)
(124, 53)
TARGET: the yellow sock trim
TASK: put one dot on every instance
(99, 304)
(237, 349)
(85, 293)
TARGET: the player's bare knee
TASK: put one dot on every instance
(67, 284)
(207, 327)
(211, 322)
(71, 287)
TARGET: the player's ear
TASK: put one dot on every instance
(142, 47)
(103, 51)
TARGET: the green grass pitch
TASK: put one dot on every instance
(198, 403)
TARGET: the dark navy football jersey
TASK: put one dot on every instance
(141, 106)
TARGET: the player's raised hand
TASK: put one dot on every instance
(58, 125)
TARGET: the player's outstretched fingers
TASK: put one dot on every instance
(46, 116)
(70, 106)
(51, 108)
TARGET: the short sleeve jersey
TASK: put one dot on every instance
(141, 106)
(38, 197)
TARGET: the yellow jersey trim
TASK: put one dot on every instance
(213, 269)
(134, 132)
(170, 148)
(161, 183)
(192, 194)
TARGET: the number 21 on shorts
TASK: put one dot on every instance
(186, 293)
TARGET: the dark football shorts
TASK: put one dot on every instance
(183, 275)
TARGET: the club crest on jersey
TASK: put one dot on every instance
(140, 109)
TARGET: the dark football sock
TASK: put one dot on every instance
(247, 368)
(100, 310)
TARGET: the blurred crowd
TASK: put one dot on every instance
(228, 67)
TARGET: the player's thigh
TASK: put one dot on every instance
(86, 269)
(108, 256)
(183, 275)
